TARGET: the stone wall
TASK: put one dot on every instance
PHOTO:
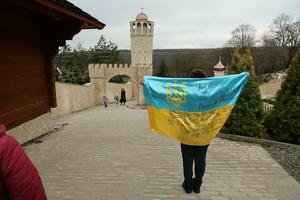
(72, 98)
(32, 129)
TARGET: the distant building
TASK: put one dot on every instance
(141, 33)
(219, 69)
(30, 34)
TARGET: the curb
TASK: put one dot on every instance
(38, 139)
(256, 140)
(142, 107)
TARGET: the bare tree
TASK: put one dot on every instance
(285, 33)
(242, 36)
(268, 40)
(281, 29)
(295, 34)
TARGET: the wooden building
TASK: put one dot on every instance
(30, 34)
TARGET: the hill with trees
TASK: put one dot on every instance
(266, 59)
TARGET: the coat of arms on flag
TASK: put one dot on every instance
(176, 94)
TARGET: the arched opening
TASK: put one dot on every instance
(139, 27)
(149, 27)
(144, 27)
(120, 79)
(116, 83)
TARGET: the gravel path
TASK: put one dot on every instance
(287, 157)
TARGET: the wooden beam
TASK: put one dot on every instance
(59, 13)
(69, 12)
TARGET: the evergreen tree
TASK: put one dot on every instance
(104, 52)
(247, 114)
(163, 71)
(74, 63)
(283, 121)
(65, 57)
(65, 62)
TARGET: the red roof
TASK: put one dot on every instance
(219, 66)
(141, 17)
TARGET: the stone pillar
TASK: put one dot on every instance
(219, 73)
(97, 77)
(144, 70)
(141, 99)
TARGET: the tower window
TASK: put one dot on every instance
(139, 27)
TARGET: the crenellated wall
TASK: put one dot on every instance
(100, 74)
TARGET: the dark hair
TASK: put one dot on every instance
(197, 73)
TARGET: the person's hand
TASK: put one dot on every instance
(141, 81)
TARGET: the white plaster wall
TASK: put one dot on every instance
(71, 98)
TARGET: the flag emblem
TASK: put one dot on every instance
(176, 93)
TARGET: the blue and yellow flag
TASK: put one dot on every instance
(192, 110)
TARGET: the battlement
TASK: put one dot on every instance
(105, 70)
(100, 66)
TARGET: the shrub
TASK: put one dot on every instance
(283, 122)
(247, 115)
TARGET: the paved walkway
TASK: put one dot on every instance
(111, 154)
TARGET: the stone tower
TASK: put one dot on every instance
(141, 32)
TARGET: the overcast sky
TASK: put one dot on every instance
(181, 23)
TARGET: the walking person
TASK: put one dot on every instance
(105, 101)
(19, 178)
(123, 96)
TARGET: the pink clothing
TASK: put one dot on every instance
(105, 99)
(19, 179)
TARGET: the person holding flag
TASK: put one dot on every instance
(192, 153)
(192, 111)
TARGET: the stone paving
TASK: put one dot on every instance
(111, 154)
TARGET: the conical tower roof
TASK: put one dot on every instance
(219, 66)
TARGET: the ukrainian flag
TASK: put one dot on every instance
(192, 110)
